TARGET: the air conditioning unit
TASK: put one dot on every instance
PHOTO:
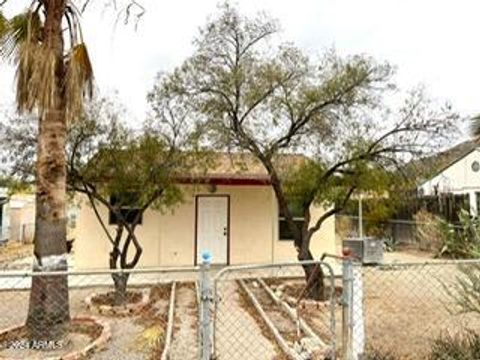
(368, 250)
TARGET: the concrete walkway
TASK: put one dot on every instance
(185, 341)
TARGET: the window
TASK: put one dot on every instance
(128, 208)
(284, 233)
(475, 166)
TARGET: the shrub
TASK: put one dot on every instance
(456, 347)
(466, 290)
(429, 233)
(378, 354)
(461, 241)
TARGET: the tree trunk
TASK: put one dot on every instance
(314, 275)
(120, 282)
(314, 278)
(48, 314)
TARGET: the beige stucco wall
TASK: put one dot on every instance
(168, 238)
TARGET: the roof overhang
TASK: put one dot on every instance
(226, 180)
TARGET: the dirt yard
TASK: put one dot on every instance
(13, 251)
(407, 307)
(133, 337)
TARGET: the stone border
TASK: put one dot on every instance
(122, 310)
(98, 344)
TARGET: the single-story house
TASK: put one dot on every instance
(458, 174)
(231, 211)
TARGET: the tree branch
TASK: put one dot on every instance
(336, 208)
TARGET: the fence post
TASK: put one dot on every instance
(347, 304)
(353, 330)
(205, 302)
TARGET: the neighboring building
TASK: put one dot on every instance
(459, 174)
(4, 215)
(22, 217)
(233, 213)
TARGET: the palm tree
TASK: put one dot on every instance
(53, 74)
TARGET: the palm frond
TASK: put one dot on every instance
(36, 80)
(25, 27)
(79, 80)
(3, 25)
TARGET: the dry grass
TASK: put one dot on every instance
(155, 321)
(109, 298)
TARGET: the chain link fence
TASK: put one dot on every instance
(413, 311)
(263, 312)
(105, 323)
(386, 312)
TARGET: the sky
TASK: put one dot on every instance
(431, 42)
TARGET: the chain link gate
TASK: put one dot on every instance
(263, 312)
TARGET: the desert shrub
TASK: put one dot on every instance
(429, 234)
(464, 346)
(378, 354)
(466, 290)
(461, 241)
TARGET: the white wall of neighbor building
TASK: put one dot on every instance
(168, 238)
(458, 178)
(21, 217)
(5, 224)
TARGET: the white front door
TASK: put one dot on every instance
(212, 228)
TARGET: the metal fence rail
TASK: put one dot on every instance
(388, 312)
(135, 330)
(264, 312)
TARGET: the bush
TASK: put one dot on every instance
(377, 354)
(429, 233)
(461, 241)
(458, 347)
(466, 290)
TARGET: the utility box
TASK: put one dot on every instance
(368, 250)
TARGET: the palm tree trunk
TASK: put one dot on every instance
(49, 315)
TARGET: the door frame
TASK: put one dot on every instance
(196, 225)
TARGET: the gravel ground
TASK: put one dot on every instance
(124, 343)
(238, 336)
(407, 307)
(185, 338)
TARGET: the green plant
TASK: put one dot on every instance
(464, 346)
(461, 241)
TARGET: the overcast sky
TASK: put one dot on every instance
(434, 42)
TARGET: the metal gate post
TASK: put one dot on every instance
(347, 306)
(205, 303)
